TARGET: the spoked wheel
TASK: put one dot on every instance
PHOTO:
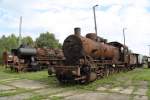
(102, 75)
(92, 76)
(85, 71)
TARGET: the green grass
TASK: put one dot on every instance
(37, 97)
(148, 92)
(10, 93)
(56, 98)
(40, 97)
(39, 76)
(119, 79)
(116, 79)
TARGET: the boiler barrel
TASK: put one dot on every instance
(98, 49)
(27, 51)
(76, 47)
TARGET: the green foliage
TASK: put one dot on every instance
(11, 42)
(7, 43)
(28, 41)
(47, 40)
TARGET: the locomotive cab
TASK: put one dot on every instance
(123, 50)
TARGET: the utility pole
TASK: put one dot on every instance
(20, 29)
(124, 36)
(149, 49)
(148, 59)
(95, 18)
(124, 41)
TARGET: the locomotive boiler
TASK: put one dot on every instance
(76, 47)
(89, 57)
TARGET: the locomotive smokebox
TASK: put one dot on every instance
(77, 31)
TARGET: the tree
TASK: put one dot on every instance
(47, 40)
(12, 42)
(27, 40)
(7, 43)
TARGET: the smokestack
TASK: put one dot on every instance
(77, 31)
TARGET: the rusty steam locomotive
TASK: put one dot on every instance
(26, 58)
(90, 57)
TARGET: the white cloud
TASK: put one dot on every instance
(61, 16)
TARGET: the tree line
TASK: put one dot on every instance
(45, 40)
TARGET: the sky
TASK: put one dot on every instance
(62, 16)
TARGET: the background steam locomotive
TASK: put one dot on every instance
(90, 57)
(27, 58)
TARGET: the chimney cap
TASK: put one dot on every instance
(77, 31)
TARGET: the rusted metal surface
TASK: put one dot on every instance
(96, 49)
(76, 47)
(48, 54)
(133, 59)
(5, 57)
(91, 36)
(94, 37)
